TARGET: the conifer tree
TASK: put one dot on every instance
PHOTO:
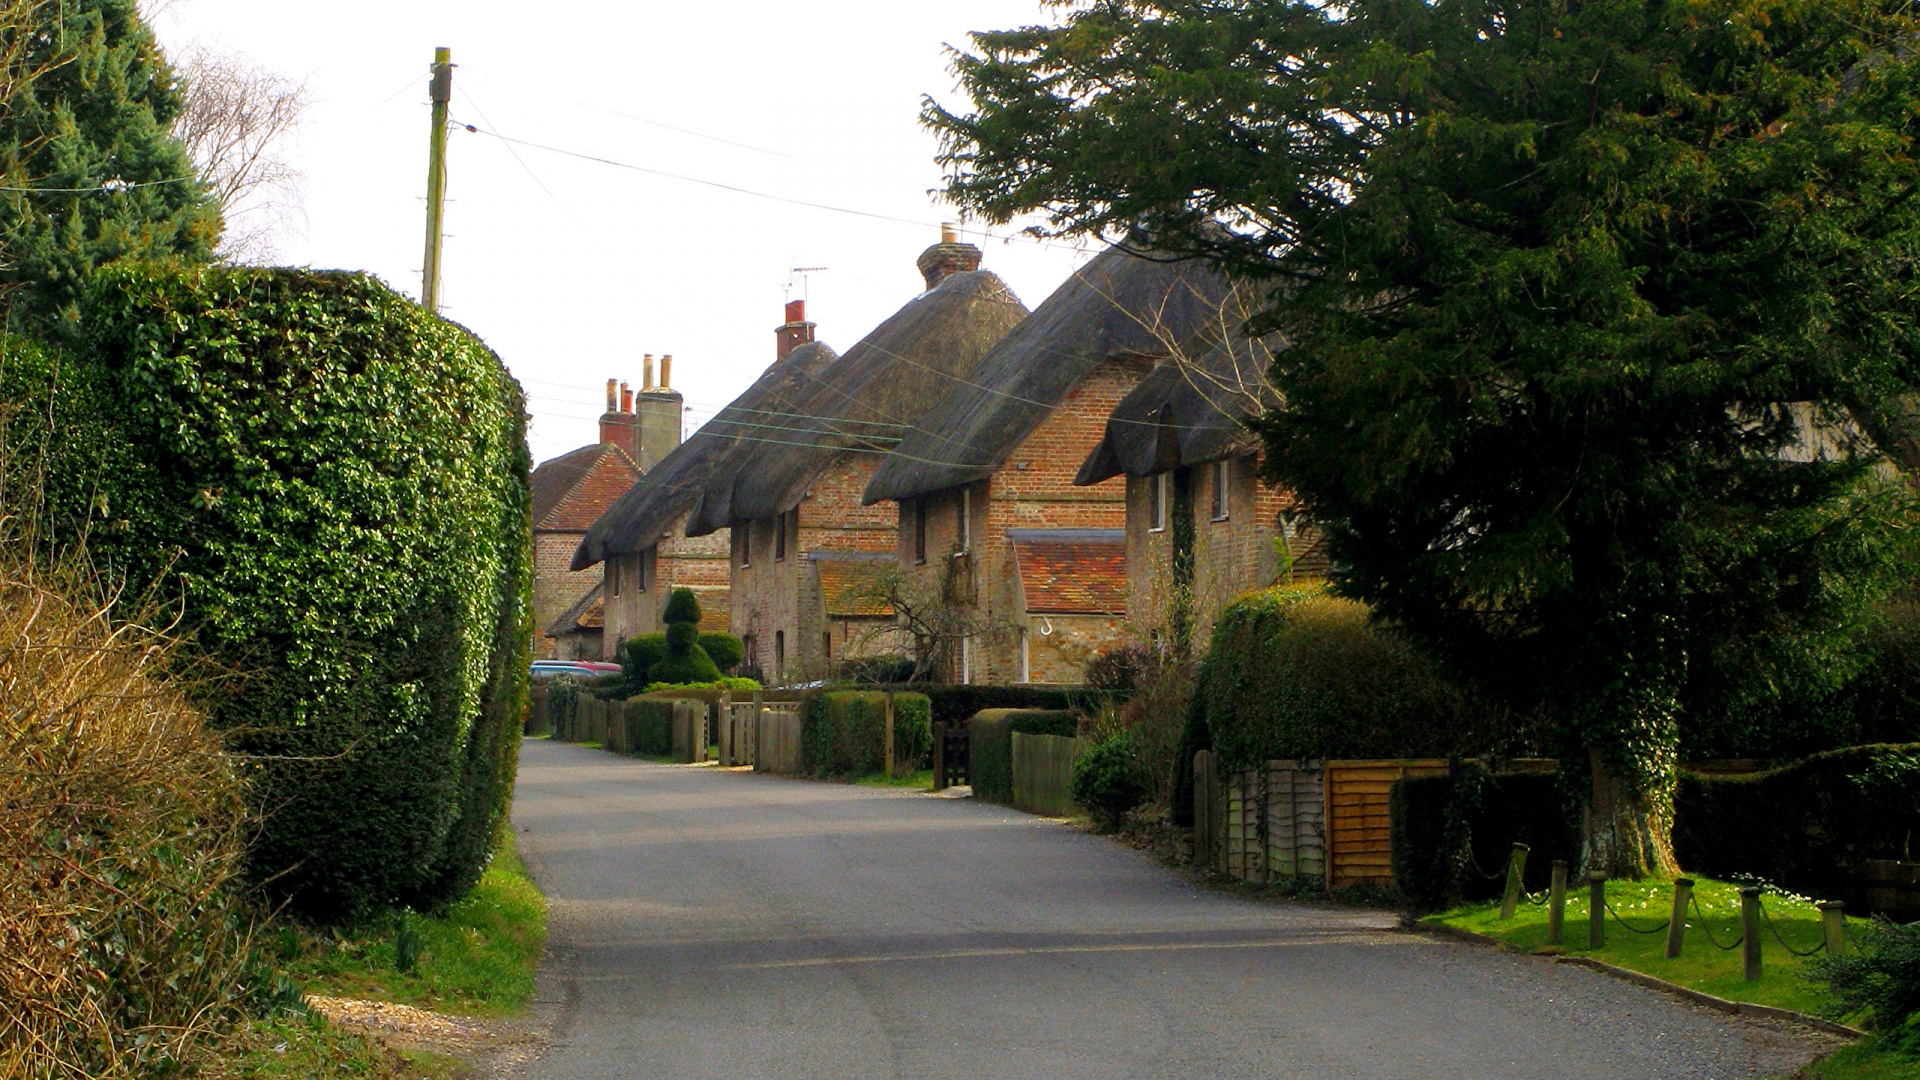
(89, 172)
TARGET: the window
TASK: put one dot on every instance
(780, 537)
(780, 656)
(919, 530)
(746, 544)
(641, 567)
(1157, 501)
(964, 533)
(613, 576)
(826, 644)
(1219, 478)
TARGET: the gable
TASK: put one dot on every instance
(573, 490)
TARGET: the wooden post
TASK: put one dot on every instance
(940, 756)
(1516, 871)
(1596, 911)
(1557, 903)
(1202, 807)
(726, 729)
(1677, 926)
(440, 91)
(889, 738)
(1750, 932)
(759, 726)
(1833, 926)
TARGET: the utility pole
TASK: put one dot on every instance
(441, 90)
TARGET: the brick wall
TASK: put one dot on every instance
(695, 562)
(555, 588)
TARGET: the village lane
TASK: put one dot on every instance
(721, 924)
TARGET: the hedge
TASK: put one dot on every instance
(990, 745)
(333, 483)
(843, 732)
(954, 705)
(1804, 826)
(1453, 835)
(650, 726)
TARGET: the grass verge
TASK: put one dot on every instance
(475, 958)
(922, 779)
(1864, 1060)
(292, 1048)
(1701, 966)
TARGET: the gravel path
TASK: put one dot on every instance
(723, 924)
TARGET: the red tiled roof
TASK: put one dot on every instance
(1072, 571)
(570, 492)
(847, 582)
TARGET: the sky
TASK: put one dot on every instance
(571, 269)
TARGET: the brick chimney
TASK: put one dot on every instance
(797, 331)
(619, 425)
(660, 409)
(947, 257)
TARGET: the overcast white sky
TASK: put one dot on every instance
(571, 270)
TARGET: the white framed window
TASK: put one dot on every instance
(613, 576)
(1157, 491)
(780, 537)
(746, 544)
(1219, 474)
(919, 530)
(963, 535)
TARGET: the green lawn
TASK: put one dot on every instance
(1864, 1061)
(476, 957)
(1701, 966)
(290, 1048)
(922, 779)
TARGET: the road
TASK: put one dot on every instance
(711, 923)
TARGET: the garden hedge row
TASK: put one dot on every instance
(843, 732)
(954, 705)
(990, 745)
(333, 484)
(1453, 835)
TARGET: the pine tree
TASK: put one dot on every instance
(88, 169)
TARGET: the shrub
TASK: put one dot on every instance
(725, 650)
(1156, 713)
(990, 745)
(1111, 778)
(650, 726)
(333, 482)
(1881, 978)
(1806, 825)
(877, 670)
(1453, 835)
(685, 661)
(123, 937)
(726, 682)
(843, 732)
(638, 656)
(955, 705)
(1123, 669)
(682, 607)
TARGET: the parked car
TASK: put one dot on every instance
(579, 669)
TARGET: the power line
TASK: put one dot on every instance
(711, 138)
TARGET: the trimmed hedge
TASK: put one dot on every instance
(954, 705)
(990, 745)
(1453, 835)
(650, 726)
(334, 484)
(1804, 826)
(843, 732)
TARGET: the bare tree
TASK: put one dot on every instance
(237, 120)
(934, 616)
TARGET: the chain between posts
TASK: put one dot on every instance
(1630, 927)
(1705, 929)
(1775, 931)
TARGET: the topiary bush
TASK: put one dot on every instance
(725, 650)
(685, 661)
(638, 656)
(1112, 778)
(990, 745)
(843, 732)
(333, 484)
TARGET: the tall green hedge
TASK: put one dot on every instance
(1453, 835)
(990, 745)
(843, 732)
(1807, 825)
(956, 704)
(333, 483)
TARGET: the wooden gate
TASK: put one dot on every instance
(776, 738)
(952, 756)
(1360, 818)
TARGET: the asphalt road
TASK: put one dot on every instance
(724, 924)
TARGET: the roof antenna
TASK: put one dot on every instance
(799, 274)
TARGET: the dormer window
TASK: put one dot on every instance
(963, 536)
(780, 537)
(1219, 478)
(919, 530)
(1157, 501)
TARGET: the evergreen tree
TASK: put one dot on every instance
(89, 171)
(1600, 315)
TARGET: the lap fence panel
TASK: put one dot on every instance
(1360, 820)
(1296, 820)
(1043, 772)
(1242, 851)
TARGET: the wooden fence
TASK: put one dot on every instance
(1360, 818)
(1331, 821)
(776, 738)
(1043, 772)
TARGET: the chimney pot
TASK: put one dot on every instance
(946, 258)
(626, 399)
(647, 373)
(666, 372)
(796, 332)
(949, 232)
(613, 395)
(796, 312)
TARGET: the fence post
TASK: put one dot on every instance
(1596, 911)
(1557, 903)
(726, 729)
(1750, 932)
(1516, 871)
(1677, 926)
(759, 726)
(889, 738)
(1833, 926)
(939, 755)
(1202, 807)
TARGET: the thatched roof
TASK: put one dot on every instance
(586, 614)
(1187, 411)
(1117, 305)
(865, 401)
(655, 504)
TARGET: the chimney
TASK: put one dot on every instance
(618, 425)
(658, 410)
(666, 370)
(948, 257)
(796, 332)
(647, 369)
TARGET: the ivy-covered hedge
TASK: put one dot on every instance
(990, 745)
(334, 484)
(1453, 835)
(843, 732)
(954, 705)
(650, 726)
(1807, 825)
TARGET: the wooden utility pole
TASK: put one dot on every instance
(441, 90)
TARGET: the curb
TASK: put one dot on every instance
(1640, 978)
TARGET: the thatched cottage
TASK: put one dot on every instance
(990, 518)
(642, 537)
(809, 558)
(571, 491)
(1192, 478)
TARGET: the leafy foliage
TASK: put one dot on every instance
(96, 116)
(1591, 309)
(1124, 668)
(990, 745)
(1453, 835)
(333, 484)
(685, 661)
(725, 650)
(1881, 978)
(1112, 778)
(843, 732)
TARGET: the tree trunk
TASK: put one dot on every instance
(1626, 830)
